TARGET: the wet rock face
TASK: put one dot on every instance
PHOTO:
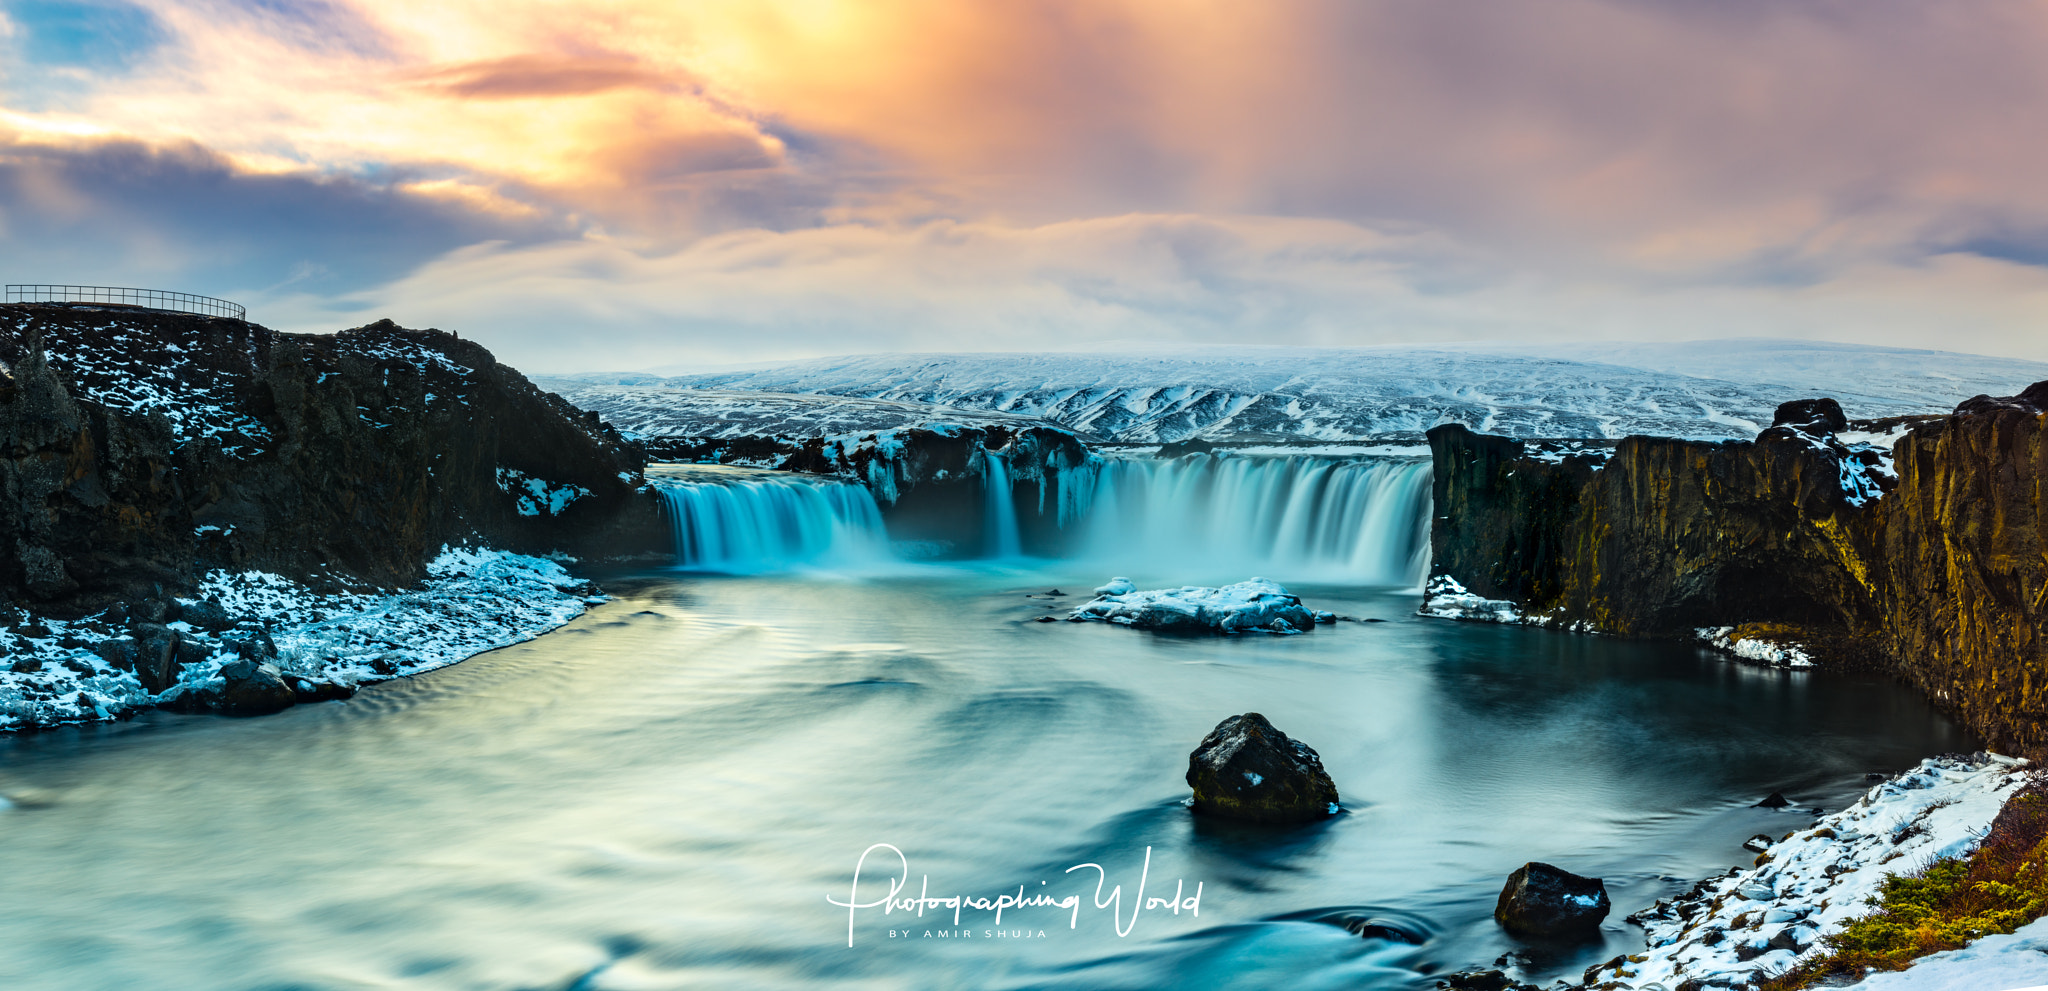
(1668, 536)
(1541, 900)
(1935, 573)
(139, 449)
(1247, 769)
(1965, 578)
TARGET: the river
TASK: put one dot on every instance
(673, 791)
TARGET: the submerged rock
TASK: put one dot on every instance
(1256, 606)
(1247, 769)
(1541, 900)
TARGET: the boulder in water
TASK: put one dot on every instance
(1256, 606)
(1774, 800)
(1541, 900)
(1247, 769)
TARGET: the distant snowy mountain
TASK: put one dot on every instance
(655, 410)
(1707, 389)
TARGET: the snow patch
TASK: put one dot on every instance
(473, 600)
(1556, 451)
(1445, 598)
(1256, 606)
(1117, 586)
(1819, 878)
(1722, 638)
(1864, 467)
(536, 495)
(1702, 390)
(2018, 960)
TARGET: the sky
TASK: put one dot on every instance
(617, 185)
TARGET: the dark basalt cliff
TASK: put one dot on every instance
(142, 448)
(1939, 573)
(1964, 593)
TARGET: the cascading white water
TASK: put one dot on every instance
(746, 520)
(999, 509)
(1355, 520)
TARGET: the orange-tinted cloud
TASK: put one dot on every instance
(1661, 150)
(520, 76)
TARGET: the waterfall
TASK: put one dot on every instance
(1338, 519)
(748, 520)
(999, 509)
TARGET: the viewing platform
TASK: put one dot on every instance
(148, 299)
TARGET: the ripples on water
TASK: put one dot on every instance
(665, 793)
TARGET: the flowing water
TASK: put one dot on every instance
(675, 790)
(1344, 519)
(746, 520)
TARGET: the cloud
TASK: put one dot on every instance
(1578, 167)
(125, 213)
(1158, 280)
(519, 76)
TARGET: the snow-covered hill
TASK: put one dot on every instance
(1704, 389)
(661, 411)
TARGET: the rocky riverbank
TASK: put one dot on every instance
(1746, 925)
(1916, 546)
(255, 642)
(1812, 544)
(150, 461)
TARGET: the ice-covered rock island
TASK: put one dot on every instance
(1257, 606)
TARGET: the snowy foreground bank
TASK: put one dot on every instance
(82, 671)
(1734, 929)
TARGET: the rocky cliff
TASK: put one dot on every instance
(1964, 590)
(932, 469)
(139, 449)
(1930, 560)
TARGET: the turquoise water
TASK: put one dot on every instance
(671, 791)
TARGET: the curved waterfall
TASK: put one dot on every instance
(1337, 519)
(748, 520)
(1300, 517)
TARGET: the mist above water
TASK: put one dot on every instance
(666, 793)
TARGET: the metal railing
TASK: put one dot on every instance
(152, 299)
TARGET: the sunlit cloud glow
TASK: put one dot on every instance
(1584, 167)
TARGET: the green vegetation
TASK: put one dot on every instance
(1997, 889)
